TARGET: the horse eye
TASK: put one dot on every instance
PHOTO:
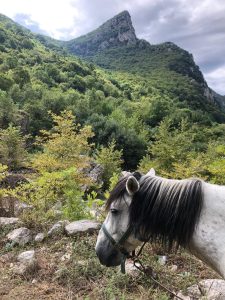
(114, 211)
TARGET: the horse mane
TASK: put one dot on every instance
(163, 210)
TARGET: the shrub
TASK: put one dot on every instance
(111, 160)
(12, 147)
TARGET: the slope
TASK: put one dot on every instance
(115, 46)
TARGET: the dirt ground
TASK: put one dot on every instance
(68, 269)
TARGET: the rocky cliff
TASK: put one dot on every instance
(115, 32)
(114, 45)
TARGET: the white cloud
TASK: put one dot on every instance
(216, 79)
(53, 16)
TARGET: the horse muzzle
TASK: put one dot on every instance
(108, 255)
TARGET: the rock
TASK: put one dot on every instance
(21, 207)
(194, 292)
(173, 268)
(82, 226)
(130, 268)
(115, 32)
(34, 281)
(26, 256)
(162, 259)
(181, 296)
(12, 181)
(208, 289)
(5, 258)
(58, 228)
(7, 208)
(39, 237)
(213, 288)
(8, 221)
(66, 256)
(95, 173)
(20, 236)
(27, 263)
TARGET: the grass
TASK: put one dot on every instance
(79, 275)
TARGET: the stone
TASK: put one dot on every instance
(82, 226)
(130, 268)
(58, 228)
(39, 237)
(26, 256)
(194, 292)
(173, 268)
(207, 289)
(21, 207)
(213, 288)
(162, 259)
(8, 221)
(26, 263)
(34, 281)
(181, 296)
(66, 256)
(5, 258)
(94, 172)
(20, 236)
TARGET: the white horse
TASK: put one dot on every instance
(188, 213)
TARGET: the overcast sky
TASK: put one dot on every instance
(195, 25)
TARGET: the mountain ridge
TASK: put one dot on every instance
(148, 86)
(116, 38)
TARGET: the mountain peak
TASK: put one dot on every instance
(117, 31)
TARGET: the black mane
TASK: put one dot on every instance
(163, 210)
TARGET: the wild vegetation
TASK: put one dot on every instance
(59, 113)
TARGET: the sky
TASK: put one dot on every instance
(195, 25)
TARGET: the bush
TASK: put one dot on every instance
(111, 160)
(47, 190)
(12, 148)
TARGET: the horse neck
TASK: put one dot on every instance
(208, 242)
(214, 196)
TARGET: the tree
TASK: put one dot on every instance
(111, 160)
(171, 146)
(65, 145)
(8, 110)
(12, 147)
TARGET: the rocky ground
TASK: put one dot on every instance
(61, 264)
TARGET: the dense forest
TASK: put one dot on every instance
(59, 112)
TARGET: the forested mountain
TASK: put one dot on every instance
(143, 86)
(114, 45)
(73, 115)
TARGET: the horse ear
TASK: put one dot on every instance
(151, 172)
(132, 185)
(125, 173)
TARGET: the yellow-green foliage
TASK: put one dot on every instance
(48, 189)
(64, 154)
(110, 159)
(65, 145)
(3, 173)
(216, 163)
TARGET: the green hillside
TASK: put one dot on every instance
(69, 124)
(151, 84)
(114, 46)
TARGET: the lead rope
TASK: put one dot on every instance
(147, 271)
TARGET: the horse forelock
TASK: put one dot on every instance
(119, 190)
(117, 193)
(166, 210)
